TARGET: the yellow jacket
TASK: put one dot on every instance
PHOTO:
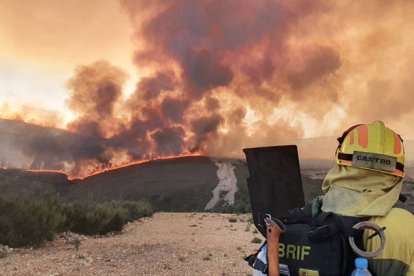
(398, 255)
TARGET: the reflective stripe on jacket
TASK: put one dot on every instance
(398, 255)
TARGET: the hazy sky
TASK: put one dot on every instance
(41, 43)
(311, 68)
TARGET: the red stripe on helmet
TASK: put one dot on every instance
(351, 138)
(363, 135)
(397, 143)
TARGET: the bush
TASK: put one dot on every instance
(102, 218)
(24, 223)
(94, 218)
(136, 209)
(29, 223)
(256, 240)
(232, 220)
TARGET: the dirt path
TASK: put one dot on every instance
(166, 244)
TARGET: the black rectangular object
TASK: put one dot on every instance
(275, 184)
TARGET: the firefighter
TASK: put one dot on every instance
(366, 182)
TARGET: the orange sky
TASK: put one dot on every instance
(42, 42)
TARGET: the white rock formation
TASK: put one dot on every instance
(227, 183)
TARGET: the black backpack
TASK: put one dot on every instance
(315, 243)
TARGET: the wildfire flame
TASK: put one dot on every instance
(132, 163)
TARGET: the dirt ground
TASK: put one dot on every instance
(166, 244)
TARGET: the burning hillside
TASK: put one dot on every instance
(48, 159)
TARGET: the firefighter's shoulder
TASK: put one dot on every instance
(398, 255)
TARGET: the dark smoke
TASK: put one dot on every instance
(204, 71)
(222, 75)
(173, 109)
(319, 62)
(169, 141)
(151, 87)
(94, 92)
(204, 129)
(48, 148)
(86, 127)
(211, 104)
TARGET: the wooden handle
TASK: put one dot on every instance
(273, 233)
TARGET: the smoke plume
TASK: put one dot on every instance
(223, 75)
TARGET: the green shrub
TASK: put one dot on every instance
(136, 209)
(232, 220)
(24, 223)
(29, 223)
(102, 218)
(94, 218)
(256, 240)
(118, 217)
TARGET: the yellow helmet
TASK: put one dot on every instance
(373, 147)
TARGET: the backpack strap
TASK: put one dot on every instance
(333, 224)
(324, 232)
(255, 262)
